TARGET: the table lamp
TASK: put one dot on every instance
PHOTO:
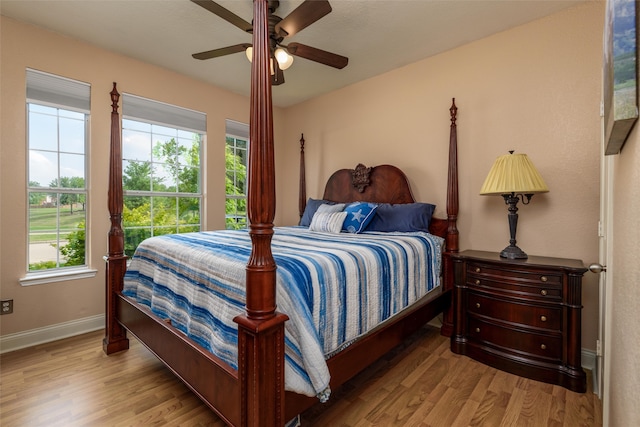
(515, 178)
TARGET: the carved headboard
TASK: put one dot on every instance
(379, 184)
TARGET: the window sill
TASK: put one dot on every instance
(40, 278)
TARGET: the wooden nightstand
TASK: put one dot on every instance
(520, 316)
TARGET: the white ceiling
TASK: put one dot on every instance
(376, 35)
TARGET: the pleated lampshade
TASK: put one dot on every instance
(513, 173)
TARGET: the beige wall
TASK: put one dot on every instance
(623, 281)
(24, 46)
(534, 89)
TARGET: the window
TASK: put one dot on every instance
(236, 156)
(161, 149)
(57, 135)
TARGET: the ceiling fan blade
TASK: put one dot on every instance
(318, 55)
(222, 51)
(225, 14)
(304, 15)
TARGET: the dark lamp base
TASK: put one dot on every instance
(513, 252)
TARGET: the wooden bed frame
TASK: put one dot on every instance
(254, 395)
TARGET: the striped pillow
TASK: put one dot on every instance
(327, 222)
(328, 208)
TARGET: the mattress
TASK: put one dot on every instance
(335, 288)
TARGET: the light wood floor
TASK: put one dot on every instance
(72, 383)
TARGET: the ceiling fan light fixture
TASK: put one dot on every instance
(284, 59)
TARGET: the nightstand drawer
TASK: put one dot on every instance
(516, 340)
(517, 286)
(514, 275)
(539, 316)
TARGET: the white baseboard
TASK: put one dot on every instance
(588, 359)
(436, 322)
(59, 331)
(589, 362)
(12, 342)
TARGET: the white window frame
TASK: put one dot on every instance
(237, 131)
(66, 94)
(156, 113)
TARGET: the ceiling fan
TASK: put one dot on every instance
(304, 15)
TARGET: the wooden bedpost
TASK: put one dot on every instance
(302, 192)
(452, 184)
(452, 216)
(115, 335)
(261, 329)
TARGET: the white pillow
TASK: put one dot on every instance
(327, 222)
(327, 208)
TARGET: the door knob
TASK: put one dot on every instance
(597, 268)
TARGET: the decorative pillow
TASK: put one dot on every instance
(330, 207)
(328, 222)
(359, 215)
(402, 217)
(311, 208)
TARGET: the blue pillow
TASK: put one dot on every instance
(359, 215)
(311, 208)
(402, 217)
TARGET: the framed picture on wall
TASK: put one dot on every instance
(620, 73)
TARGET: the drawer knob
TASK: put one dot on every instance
(477, 305)
(543, 318)
(477, 269)
(544, 278)
(478, 330)
(543, 347)
(543, 292)
(477, 281)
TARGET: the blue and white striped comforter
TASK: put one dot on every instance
(334, 288)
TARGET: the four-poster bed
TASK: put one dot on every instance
(254, 393)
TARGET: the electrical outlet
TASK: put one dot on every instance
(6, 306)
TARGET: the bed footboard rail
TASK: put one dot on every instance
(210, 378)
